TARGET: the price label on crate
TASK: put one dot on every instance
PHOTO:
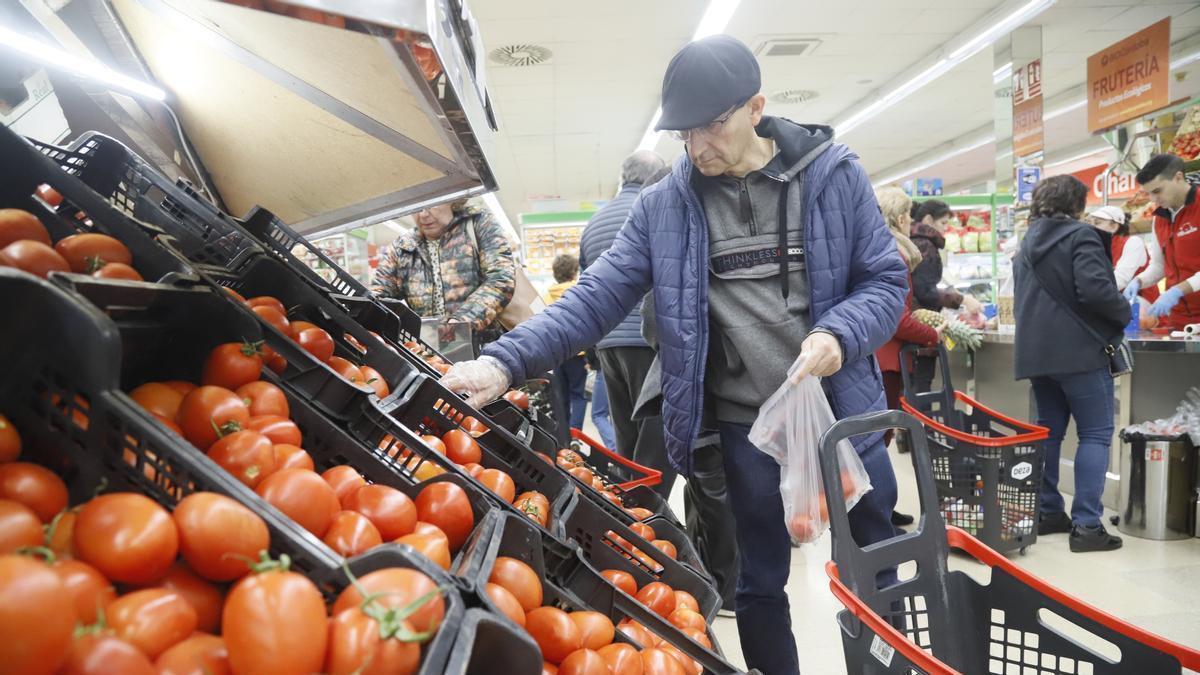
(882, 651)
(1022, 470)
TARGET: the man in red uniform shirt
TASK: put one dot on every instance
(1175, 247)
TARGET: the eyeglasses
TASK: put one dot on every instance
(711, 129)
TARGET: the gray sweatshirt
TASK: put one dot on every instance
(759, 318)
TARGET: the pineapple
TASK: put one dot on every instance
(954, 331)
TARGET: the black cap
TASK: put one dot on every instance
(706, 78)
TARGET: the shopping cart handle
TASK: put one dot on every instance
(861, 425)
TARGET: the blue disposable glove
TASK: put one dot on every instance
(1165, 302)
(1131, 291)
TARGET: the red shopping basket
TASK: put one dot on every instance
(987, 466)
(624, 473)
(942, 622)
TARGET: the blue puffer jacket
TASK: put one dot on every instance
(857, 282)
(598, 237)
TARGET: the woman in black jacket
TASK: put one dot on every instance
(1064, 286)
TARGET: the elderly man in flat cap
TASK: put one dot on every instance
(764, 247)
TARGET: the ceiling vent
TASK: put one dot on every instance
(786, 46)
(794, 96)
(520, 56)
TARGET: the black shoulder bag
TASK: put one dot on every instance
(1120, 356)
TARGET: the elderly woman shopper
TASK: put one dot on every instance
(1129, 255)
(457, 265)
(1068, 314)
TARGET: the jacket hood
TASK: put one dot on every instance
(798, 144)
(923, 231)
(1045, 233)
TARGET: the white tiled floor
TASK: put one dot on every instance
(1154, 585)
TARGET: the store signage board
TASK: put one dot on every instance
(1028, 138)
(1131, 78)
(1119, 186)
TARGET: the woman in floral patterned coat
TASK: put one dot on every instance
(458, 265)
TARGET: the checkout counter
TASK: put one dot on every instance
(1164, 369)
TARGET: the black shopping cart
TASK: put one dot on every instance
(938, 622)
(987, 466)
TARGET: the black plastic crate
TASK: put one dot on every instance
(23, 168)
(429, 409)
(486, 640)
(569, 583)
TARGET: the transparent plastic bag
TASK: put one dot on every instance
(788, 429)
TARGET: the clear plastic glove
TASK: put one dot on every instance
(1131, 291)
(1162, 306)
(820, 355)
(482, 380)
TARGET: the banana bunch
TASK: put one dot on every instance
(954, 331)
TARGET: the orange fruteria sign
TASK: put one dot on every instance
(1130, 78)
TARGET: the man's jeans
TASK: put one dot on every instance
(1088, 397)
(600, 414)
(764, 546)
(572, 379)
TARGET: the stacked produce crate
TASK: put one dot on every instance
(182, 381)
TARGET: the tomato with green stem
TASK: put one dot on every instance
(247, 455)
(233, 364)
(90, 251)
(398, 588)
(209, 412)
(264, 398)
(274, 622)
(375, 640)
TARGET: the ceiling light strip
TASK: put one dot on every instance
(59, 59)
(925, 164)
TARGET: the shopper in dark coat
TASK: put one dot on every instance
(1064, 281)
(930, 219)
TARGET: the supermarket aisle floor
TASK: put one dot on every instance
(1155, 585)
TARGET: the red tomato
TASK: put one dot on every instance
(431, 530)
(583, 473)
(354, 342)
(19, 527)
(535, 506)
(584, 662)
(16, 225)
(158, 398)
(685, 599)
(398, 587)
(689, 665)
(184, 388)
(88, 589)
(659, 597)
(152, 620)
(683, 617)
(597, 630)
(644, 531)
(234, 294)
(200, 654)
(461, 447)
(34, 257)
(49, 195)
(474, 470)
(549, 668)
(517, 398)
(126, 536)
(247, 455)
(86, 253)
(622, 580)
(499, 482)
(316, 341)
(289, 456)
(10, 441)
(35, 606)
(357, 648)
(435, 444)
(388, 508)
(434, 547)
(344, 480)
(640, 513)
(346, 369)
(622, 659)
(474, 426)
(446, 505)
(274, 622)
(267, 301)
(233, 364)
(658, 662)
(278, 429)
(264, 398)
(374, 380)
(60, 534)
(274, 361)
(273, 317)
(638, 633)
(101, 654)
(202, 595)
(208, 412)
(302, 496)
(218, 534)
(506, 602)
(352, 533)
(665, 546)
(519, 579)
(34, 486)
(554, 631)
(116, 270)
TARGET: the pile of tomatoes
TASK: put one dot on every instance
(120, 585)
(582, 642)
(25, 244)
(243, 424)
(313, 339)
